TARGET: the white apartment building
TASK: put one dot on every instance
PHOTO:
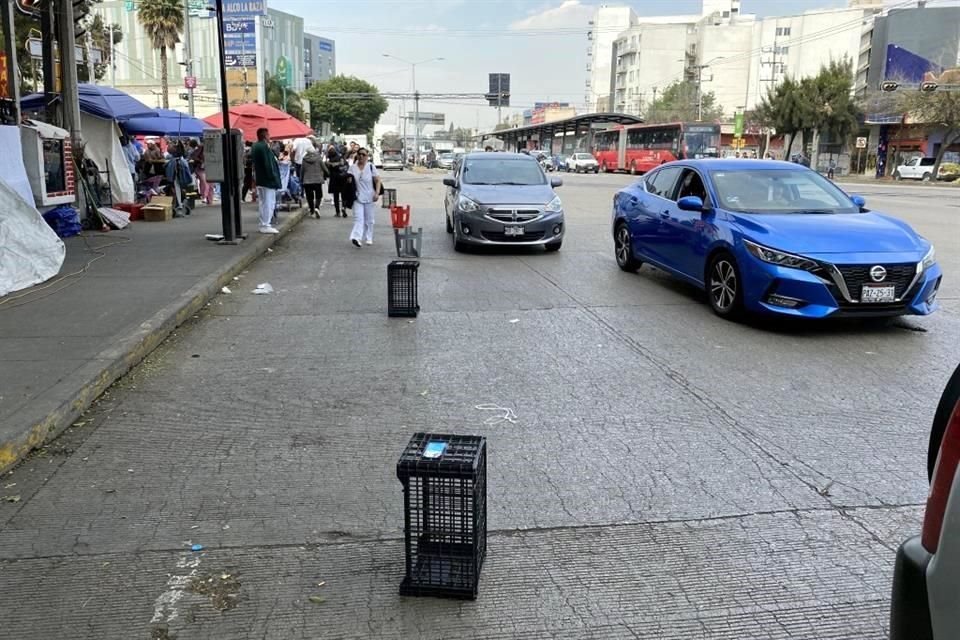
(607, 24)
(737, 57)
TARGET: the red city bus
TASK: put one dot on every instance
(638, 148)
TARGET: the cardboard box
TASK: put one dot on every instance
(160, 209)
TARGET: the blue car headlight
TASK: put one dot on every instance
(780, 258)
(930, 259)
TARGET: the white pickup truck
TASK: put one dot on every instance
(915, 169)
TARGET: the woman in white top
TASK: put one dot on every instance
(367, 183)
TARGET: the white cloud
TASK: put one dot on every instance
(570, 13)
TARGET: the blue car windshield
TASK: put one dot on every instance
(779, 191)
(518, 171)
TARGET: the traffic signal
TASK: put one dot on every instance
(889, 85)
(29, 7)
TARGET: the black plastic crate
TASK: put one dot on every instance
(402, 289)
(445, 515)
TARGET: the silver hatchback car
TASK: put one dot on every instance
(503, 199)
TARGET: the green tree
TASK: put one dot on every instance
(937, 110)
(162, 20)
(292, 103)
(679, 103)
(349, 104)
(823, 102)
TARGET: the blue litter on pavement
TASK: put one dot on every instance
(196, 547)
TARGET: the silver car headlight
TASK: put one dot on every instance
(467, 205)
(554, 206)
(930, 259)
(779, 258)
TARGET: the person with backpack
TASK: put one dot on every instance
(314, 171)
(340, 182)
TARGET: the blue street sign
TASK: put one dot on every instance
(244, 8)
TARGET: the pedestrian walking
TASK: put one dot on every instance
(367, 183)
(314, 171)
(340, 181)
(267, 174)
(301, 147)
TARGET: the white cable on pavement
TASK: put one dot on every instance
(504, 414)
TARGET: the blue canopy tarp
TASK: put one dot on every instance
(165, 122)
(103, 102)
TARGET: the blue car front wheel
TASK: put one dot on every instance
(724, 287)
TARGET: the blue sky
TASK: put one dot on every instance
(478, 37)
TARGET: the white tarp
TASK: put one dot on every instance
(30, 252)
(102, 140)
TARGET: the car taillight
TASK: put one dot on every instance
(942, 482)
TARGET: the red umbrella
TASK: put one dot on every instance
(250, 117)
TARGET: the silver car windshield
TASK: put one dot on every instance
(516, 171)
(779, 191)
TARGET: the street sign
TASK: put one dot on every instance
(284, 72)
(499, 93)
(428, 118)
(738, 125)
(190, 82)
(861, 142)
(240, 26)
(243, 60)
(244, 8)
(35, 49)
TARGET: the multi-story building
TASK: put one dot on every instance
(319, 59)
(736, 57)
(252, 51)
(607, 23)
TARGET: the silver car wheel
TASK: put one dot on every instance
(623, 246)
(723, 285)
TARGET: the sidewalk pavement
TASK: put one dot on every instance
(118, 295)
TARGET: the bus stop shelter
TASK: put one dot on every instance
(569, 131)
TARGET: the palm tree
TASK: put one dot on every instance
(163, 21)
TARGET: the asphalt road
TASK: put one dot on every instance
(668, 474)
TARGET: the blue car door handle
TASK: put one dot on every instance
(665, 213)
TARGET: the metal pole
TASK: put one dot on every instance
(91, 73)
(229, 171)
(188, 52)
(699, 93)
(49, 71)
(13, 88)
(68, 88)
(416, 117)
(113, 60)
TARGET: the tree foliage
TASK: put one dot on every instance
(292, 103)
(823, 102)
(357, 113)
(31, 71)
(162, 21)
(936, 110)
(679, 103)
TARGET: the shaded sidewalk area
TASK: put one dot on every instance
(117, 296)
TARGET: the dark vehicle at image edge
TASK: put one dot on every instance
(925, 603)
(771, 237)
(503, 199)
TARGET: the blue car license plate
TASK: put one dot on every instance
(878, 294)
(513, 231)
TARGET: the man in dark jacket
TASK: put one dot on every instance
(266, 172)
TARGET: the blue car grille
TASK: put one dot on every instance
(898, 275)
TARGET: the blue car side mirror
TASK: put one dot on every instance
(690, 203)
(860, 201)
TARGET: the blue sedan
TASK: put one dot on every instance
(773, 237)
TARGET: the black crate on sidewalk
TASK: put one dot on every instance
(402, 289)
(445, 514)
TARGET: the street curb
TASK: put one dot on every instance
(130, 348)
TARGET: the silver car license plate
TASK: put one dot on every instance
(513, 231)
(878, 294)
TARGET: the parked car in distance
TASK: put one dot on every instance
(503, 199)
(926, 575)
(915, 169)
(392, 160)
(560, 162)
(583, 162)
(773, 237)
(445, 160)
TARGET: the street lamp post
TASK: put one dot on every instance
(416, 101)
